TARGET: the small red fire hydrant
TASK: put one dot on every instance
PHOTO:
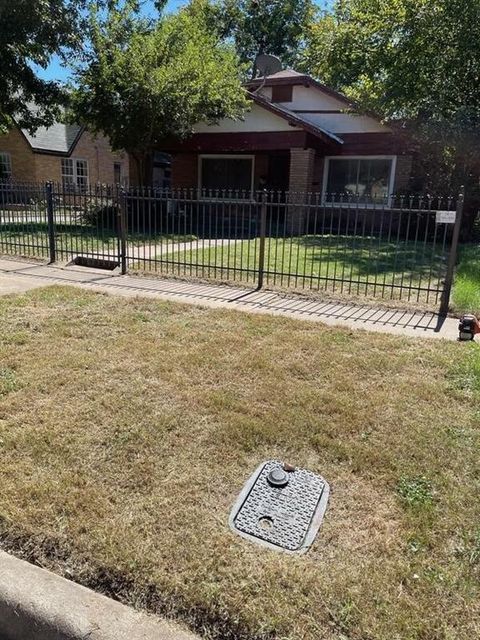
(468, 327)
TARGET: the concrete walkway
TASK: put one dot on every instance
(20, 276)
(141, 252)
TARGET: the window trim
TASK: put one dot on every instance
(74, 176)
(225, 156)
(8, 156)
(363, 205)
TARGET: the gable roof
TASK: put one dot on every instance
(292, 77)
(60, 138)
(295, 119)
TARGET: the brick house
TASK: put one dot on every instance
(61, 153)
(298, 135)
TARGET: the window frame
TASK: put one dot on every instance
(74, 175)
(364, 205)
(8, 162)
(225, 156)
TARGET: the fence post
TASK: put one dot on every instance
(50, 222)
(263, 231)
(452, 258)
(122, 229)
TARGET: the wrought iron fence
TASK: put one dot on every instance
(397, 247)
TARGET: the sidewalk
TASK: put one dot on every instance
(17, 276)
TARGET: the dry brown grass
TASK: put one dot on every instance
(127, 429)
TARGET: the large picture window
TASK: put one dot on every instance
(75, 173)
(226, 173)
(5, 166)
(368, 179)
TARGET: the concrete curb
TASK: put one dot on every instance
(36, 604)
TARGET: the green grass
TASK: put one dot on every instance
(31, 239)
(466, 291)
(322, 262)
(128, 428)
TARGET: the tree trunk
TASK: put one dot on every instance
(143, 167)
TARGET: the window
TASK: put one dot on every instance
(117, 172)
(5, 166)
(282, 93)
(368, 179)
(229, 173)
(75, 173)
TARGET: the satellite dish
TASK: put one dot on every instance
(267, 65)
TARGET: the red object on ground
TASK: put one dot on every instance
(468, 327)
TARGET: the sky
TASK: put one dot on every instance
(56, 71)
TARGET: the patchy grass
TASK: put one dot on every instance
(353, 265)
(132, 426)
(466, 290)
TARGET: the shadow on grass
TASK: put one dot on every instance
(372, 256)
(66, 232)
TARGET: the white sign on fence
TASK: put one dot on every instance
(446, 217)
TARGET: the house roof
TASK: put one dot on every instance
(295, 119)
(60, 138)
(292, 77)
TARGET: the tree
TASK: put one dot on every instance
(277, 27)
(416, 62)
(30, 34)
(141, 83)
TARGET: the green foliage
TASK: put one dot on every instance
(416, 492)
(99, 213)
(276, 27)
(414, 61)
(407, 58)
(8, 381)
(272, 26)
(30, 33)
(141, 83)
(466, 291)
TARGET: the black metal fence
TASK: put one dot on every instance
(400, 248)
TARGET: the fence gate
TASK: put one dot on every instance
(395, 248)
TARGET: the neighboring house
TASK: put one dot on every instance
(62, 153)
(299, 135)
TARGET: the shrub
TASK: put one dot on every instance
(100, 212)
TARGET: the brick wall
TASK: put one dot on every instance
(100, 158)
(302, 163)
(185, 171)
(21, 155)
(318, 169)
(403, 174)
(301, 169)
(41, 167)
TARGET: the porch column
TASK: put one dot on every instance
(300, 184)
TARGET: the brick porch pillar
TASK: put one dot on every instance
(301, 179)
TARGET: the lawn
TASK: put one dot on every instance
(127, 430)
(466, 291)
(31, 239)
(354, 265)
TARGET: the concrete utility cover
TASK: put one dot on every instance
(281, 507)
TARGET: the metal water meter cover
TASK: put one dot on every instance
(281, 507)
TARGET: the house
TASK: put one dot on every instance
(65, 153)
(298, 135)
